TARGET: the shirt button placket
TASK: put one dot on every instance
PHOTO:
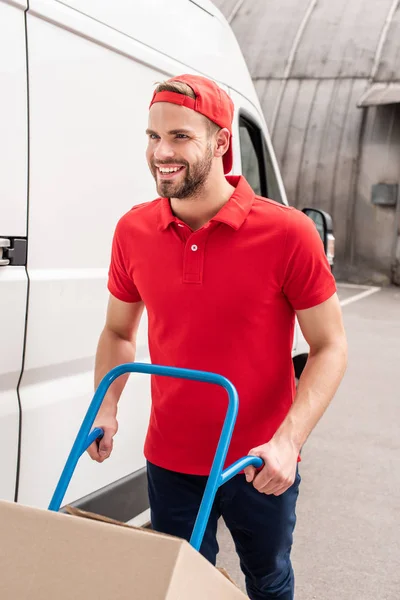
(194, 257)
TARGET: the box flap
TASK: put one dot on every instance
(72, 510)
(195, 578)
(78, 512)
(47, 555)
(226, 574)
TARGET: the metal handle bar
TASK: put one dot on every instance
(217, 476)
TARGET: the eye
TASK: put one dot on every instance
(153, 136)
(181, 136)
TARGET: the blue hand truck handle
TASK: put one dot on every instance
(217, 476)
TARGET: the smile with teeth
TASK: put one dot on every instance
(169, 170)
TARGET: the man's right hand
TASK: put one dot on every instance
(101, 449)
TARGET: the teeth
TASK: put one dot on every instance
(169, 170)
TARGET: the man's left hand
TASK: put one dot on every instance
(279, 470)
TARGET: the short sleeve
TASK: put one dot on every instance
(120, 284)
(308, 279)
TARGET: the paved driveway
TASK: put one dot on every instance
(347, 536)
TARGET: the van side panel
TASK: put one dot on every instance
(88, 114)
(180, 30)
(13, 206)
(13, 120)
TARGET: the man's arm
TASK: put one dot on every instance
(322, 327)
(117, 345)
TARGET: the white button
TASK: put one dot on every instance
(194, 248)
(180, 225)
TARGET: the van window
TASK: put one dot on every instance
(257, 165)
(273, 190)
(251, 150)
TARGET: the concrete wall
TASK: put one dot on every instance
(311, 61)
(376, 229)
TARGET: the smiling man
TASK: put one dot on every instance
(181, 151)
(167, 170)
(222, 274)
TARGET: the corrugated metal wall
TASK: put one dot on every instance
(311, 61)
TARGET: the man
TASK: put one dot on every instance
(222, 274)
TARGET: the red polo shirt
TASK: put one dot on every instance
(220, 299)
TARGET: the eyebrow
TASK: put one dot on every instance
(172, 132)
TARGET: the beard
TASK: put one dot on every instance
(196, 176)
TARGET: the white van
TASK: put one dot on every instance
(76, 79)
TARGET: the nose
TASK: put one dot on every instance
(163, 151)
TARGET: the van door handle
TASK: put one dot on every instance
(4, 243)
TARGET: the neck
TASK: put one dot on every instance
(197, 210)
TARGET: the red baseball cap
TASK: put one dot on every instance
(211, 101)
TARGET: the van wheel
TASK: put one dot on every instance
(299, 362)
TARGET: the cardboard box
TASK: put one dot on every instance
(46, 555)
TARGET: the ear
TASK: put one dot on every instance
(222, 142)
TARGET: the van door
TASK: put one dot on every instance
(88, 107)
(13, 218)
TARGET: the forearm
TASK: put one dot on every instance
(317, 386)
(112, 351)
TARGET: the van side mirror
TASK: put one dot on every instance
(324, 224)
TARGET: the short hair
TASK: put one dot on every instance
(179, 87)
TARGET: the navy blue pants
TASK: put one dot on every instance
(261, 526)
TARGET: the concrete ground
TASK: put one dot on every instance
(347, 538)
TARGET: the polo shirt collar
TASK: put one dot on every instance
(233, 213)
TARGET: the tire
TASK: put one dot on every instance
(299, 362)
